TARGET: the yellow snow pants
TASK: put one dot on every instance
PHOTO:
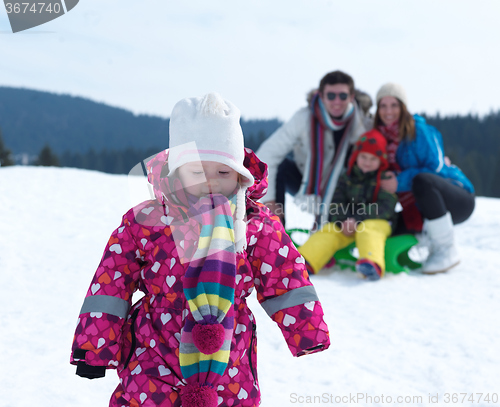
(370, 237)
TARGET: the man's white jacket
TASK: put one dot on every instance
(295, 136)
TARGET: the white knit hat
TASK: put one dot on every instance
(211, 125)
(394, 90)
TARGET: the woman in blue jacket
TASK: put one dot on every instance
(434, 194)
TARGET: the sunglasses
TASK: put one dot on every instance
(333, 95)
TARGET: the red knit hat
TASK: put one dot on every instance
(372, 142)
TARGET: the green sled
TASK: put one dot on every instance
(396, 253)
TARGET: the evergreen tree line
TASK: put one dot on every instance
(5, 154)
(471, 142)
(121, 162)
(30, 119)
(109, 161)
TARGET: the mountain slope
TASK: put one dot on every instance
(29, 119)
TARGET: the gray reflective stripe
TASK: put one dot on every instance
(106, 303)
(191, 347)
(208, 310)
(294, 297)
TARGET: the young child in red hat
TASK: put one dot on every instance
(360, 211)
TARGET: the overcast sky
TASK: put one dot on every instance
(262, 55)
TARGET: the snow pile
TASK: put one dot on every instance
(411, 336)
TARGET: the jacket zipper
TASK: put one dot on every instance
(134, 339)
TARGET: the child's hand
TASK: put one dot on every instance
(349, 227)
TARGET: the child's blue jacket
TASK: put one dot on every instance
(425, 153)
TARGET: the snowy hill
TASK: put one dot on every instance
(409, 336)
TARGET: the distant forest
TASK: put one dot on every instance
(122, 161)
(48, 129)
(473, 144)
(30, 119)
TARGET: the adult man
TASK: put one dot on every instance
(320, 136)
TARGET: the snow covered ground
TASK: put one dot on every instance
(406, 340)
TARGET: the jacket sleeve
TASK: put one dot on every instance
(274, 150)
(97, 340)
(283, 286)
(338, 212)
(426, 153)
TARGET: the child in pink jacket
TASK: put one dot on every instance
(197, 252)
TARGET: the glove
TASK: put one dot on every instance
(85, 370)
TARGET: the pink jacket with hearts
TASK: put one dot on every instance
(142, 340)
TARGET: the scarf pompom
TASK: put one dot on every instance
(208, 338)
(194, 395)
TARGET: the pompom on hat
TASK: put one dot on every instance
(394, 90)
(207, 128)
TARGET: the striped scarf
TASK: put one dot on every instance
(321, 120)
(411, 215)
(209, 285)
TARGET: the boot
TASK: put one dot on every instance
(443, 254)
(370, 270)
